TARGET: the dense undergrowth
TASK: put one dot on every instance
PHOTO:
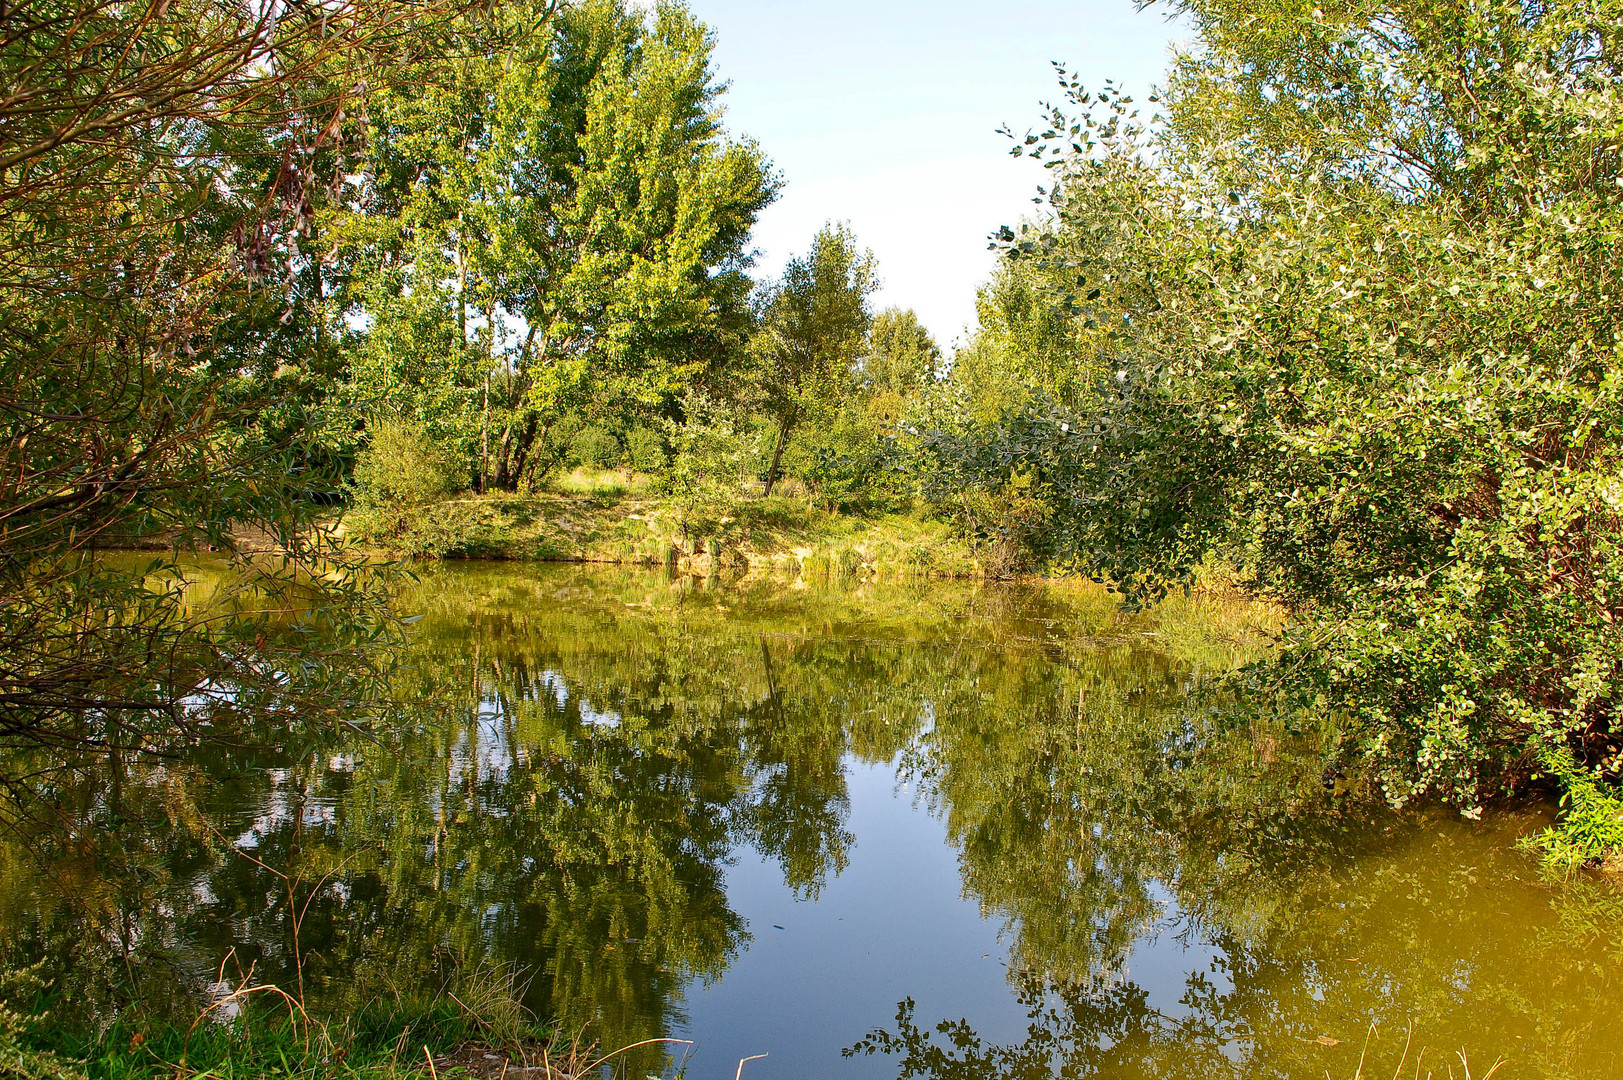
(1344, 314)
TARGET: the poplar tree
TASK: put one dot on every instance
(562, 225)
(902, 356)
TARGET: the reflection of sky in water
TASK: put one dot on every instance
(276, 811)
(894, 925)
(486, 751)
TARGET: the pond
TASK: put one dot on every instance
(866, 829)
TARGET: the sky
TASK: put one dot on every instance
(884, 113)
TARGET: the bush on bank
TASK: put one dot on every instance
(1347, 315)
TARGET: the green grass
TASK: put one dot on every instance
(261, 1031)
(600, 483)
(376, 1043)
(373, 1043)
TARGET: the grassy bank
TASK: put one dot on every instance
(606, 518)
(441, 1042)
(439, 1037)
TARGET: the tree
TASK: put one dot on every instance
(814, 322)
(902, 356)
(701, 476)
(560, 227)
(1025, 347)
(1352, 308)
(160, 164)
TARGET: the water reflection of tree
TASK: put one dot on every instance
(1077, 791)
(1299, 1004)
(561, 797)
(1078, 794)
(574, 770)
(1076, 1032)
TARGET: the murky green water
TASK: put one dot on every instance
(917, 829)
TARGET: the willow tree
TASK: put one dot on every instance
(562, 224)
(160, 167)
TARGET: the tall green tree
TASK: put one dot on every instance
(814, 326)
(1026, 346)
(561, 225)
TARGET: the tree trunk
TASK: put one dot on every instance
(521, 450)
(538, 465)
(777, 457)
(321, 319)
(461, 289)
(484, 438)
(501, 458)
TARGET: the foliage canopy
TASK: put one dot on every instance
(161, 166)
(814, 325)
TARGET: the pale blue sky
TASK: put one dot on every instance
(884, 112)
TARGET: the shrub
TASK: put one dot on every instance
(595, 447)
(400, 478)
(701, 479)
(645, 451)
(402, 465)
(1590, 832)
(1392, 390)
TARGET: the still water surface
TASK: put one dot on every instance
(870, 830)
